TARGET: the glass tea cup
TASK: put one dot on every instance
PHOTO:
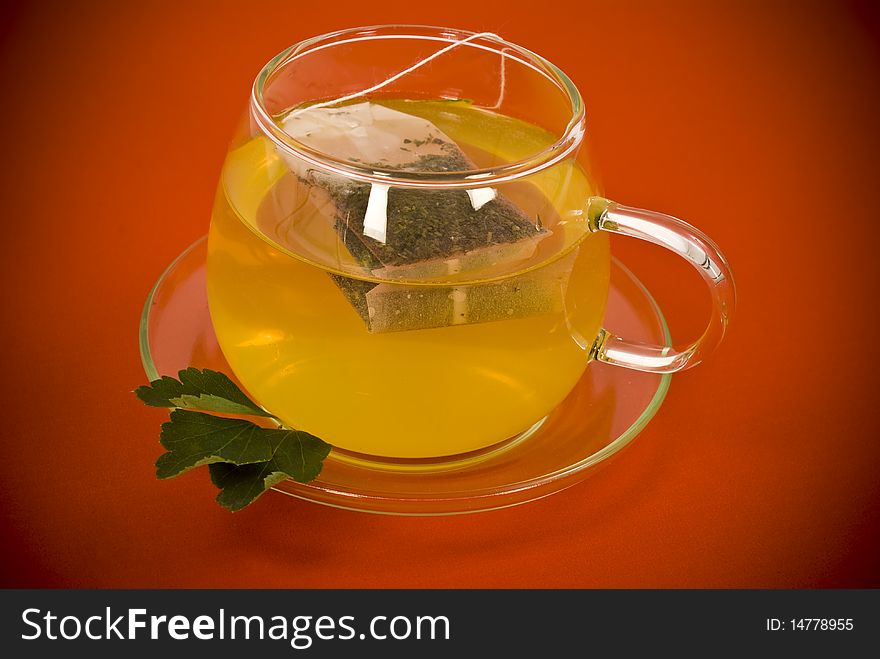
(408, 256)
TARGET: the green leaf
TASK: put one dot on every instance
(212, 403)
(195, 438)
(245, 459)
(206, 390)
(241, 485)
(296, 455)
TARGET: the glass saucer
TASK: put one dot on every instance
(604, 412)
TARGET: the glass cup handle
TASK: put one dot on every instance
(688, 242)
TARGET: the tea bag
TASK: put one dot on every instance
(409, 233)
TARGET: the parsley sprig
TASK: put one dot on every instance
(244, 459)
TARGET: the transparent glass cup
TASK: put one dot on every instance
(445, 292)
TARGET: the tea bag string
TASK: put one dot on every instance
(407, 71)
(376, 215)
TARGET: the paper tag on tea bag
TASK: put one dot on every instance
(413, 233)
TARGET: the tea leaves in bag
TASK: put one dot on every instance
(402, 233)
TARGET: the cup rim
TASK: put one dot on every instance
(562, 148)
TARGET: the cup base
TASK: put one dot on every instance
(442, 463)
(608, 407)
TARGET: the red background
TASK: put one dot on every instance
(756, 121)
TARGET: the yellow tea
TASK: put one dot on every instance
(414, 359)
